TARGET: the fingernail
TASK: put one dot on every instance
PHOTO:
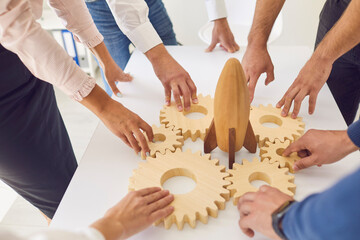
(180, 108)
(283, 113)
(147, 154)
(293, 115)
(187, 109)
(119, 95)
(295, 168)
(278, 105)
(167, 103)
(195, 100)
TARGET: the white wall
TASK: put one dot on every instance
(300, 20)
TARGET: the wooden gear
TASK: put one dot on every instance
(243, 174)
(205, 199)
(190, 128)
(274, 151)
(289, 128)
(164, 138)
(231, 129)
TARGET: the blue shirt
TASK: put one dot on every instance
(333, 214)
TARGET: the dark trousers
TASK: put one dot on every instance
(344, 80)
(36, 157)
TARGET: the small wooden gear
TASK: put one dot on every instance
(289, 128)
(274, 151)
(243, 174)
(190, 128)
(164, 138)
(205, 199)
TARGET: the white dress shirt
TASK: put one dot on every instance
(132, 18)
(85, 234)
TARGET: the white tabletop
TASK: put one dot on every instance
(101, 179)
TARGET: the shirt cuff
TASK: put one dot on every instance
(90, 37)
(93, 234)
(216, 9)
(354, 133)
(144, 37)
(84, 89)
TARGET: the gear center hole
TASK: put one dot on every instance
(178, 181)
(196, 112)
(258, 179)
(280, 151)
(159, 138)
(270, 121)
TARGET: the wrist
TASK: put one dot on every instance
(157, 53)
(109, 228)
(257, 42)
(97, 101)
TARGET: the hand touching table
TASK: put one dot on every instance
(134, 213)
(222, 34)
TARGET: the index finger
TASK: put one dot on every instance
(146, 191)
(148, 130)
(186, 96)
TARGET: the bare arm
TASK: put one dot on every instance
(257, 59)
(341, 38)
(265, 15)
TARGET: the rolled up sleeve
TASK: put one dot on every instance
(41, 54)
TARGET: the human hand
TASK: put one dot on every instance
(173, 77)
(256, 61)
(127, 126)
(309, 82)
(121, 121)
(256, 208)
(319, 147)
(134, 213)
(114, 74)
(222, 34)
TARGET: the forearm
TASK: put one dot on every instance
(333, 214)
(97, 101)
(103, 55)
(266, 12)
(342, 37)
(157, 53)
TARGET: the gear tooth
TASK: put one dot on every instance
(244, 162)
(202, 215)
(200, 95)
(236, 166)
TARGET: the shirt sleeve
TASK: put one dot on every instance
(76, 18)
(354, 133)
(333, 214)
(216, 9)
(132, 18)
(41, 54)
(85, 234)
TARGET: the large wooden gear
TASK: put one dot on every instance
(243, 174)
(190, 128)
(205, 199)
(274, 151)
(289, 128)
(164, 139)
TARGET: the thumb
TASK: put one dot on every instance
(269, 76)
(304, 163)
(114, 89)
(294, 147)
(211, 47)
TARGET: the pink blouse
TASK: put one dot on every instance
(42, 55)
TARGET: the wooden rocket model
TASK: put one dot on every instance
(230, 129)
